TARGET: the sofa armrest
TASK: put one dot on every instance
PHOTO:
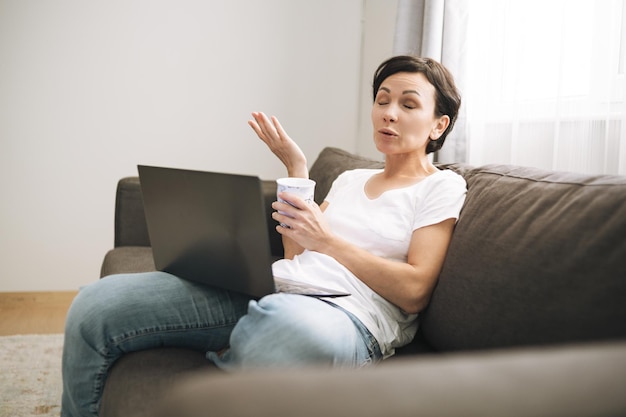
(569, 380)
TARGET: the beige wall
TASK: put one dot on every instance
(88, 90)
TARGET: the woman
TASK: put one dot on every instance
(381, 235)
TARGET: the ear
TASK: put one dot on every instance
(440, 126)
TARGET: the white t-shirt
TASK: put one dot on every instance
(383, 226)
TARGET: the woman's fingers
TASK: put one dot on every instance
(272, 133)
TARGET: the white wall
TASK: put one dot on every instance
(90, 89)
(378, 34)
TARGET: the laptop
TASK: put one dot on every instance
(211, 228)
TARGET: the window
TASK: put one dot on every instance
(546, 84)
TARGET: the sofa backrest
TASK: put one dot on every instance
(130, 220)
(537, 257)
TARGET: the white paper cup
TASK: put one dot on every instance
(302, 187)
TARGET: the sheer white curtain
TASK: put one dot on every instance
(543, 81)
(546, 84)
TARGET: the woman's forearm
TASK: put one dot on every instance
(409, 284)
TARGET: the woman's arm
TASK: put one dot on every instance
(272, 133)
(408, 285)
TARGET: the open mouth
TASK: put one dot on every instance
(388, 132)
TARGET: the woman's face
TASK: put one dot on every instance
(403, 115)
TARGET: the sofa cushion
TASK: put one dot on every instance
(537, 257)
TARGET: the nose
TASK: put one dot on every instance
(390, 114)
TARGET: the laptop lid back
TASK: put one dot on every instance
(208, 227)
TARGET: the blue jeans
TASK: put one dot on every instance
(126, 313)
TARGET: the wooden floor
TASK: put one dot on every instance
(33, 312)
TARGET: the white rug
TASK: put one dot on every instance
(30, 375)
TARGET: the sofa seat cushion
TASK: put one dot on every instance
(127, 259)
(537, 257)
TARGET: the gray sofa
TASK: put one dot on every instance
(528, 317)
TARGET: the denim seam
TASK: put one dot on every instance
(118, 340)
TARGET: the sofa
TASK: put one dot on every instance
(528, 317)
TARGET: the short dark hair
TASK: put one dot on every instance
(447, 98)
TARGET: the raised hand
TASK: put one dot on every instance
(272, 133)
